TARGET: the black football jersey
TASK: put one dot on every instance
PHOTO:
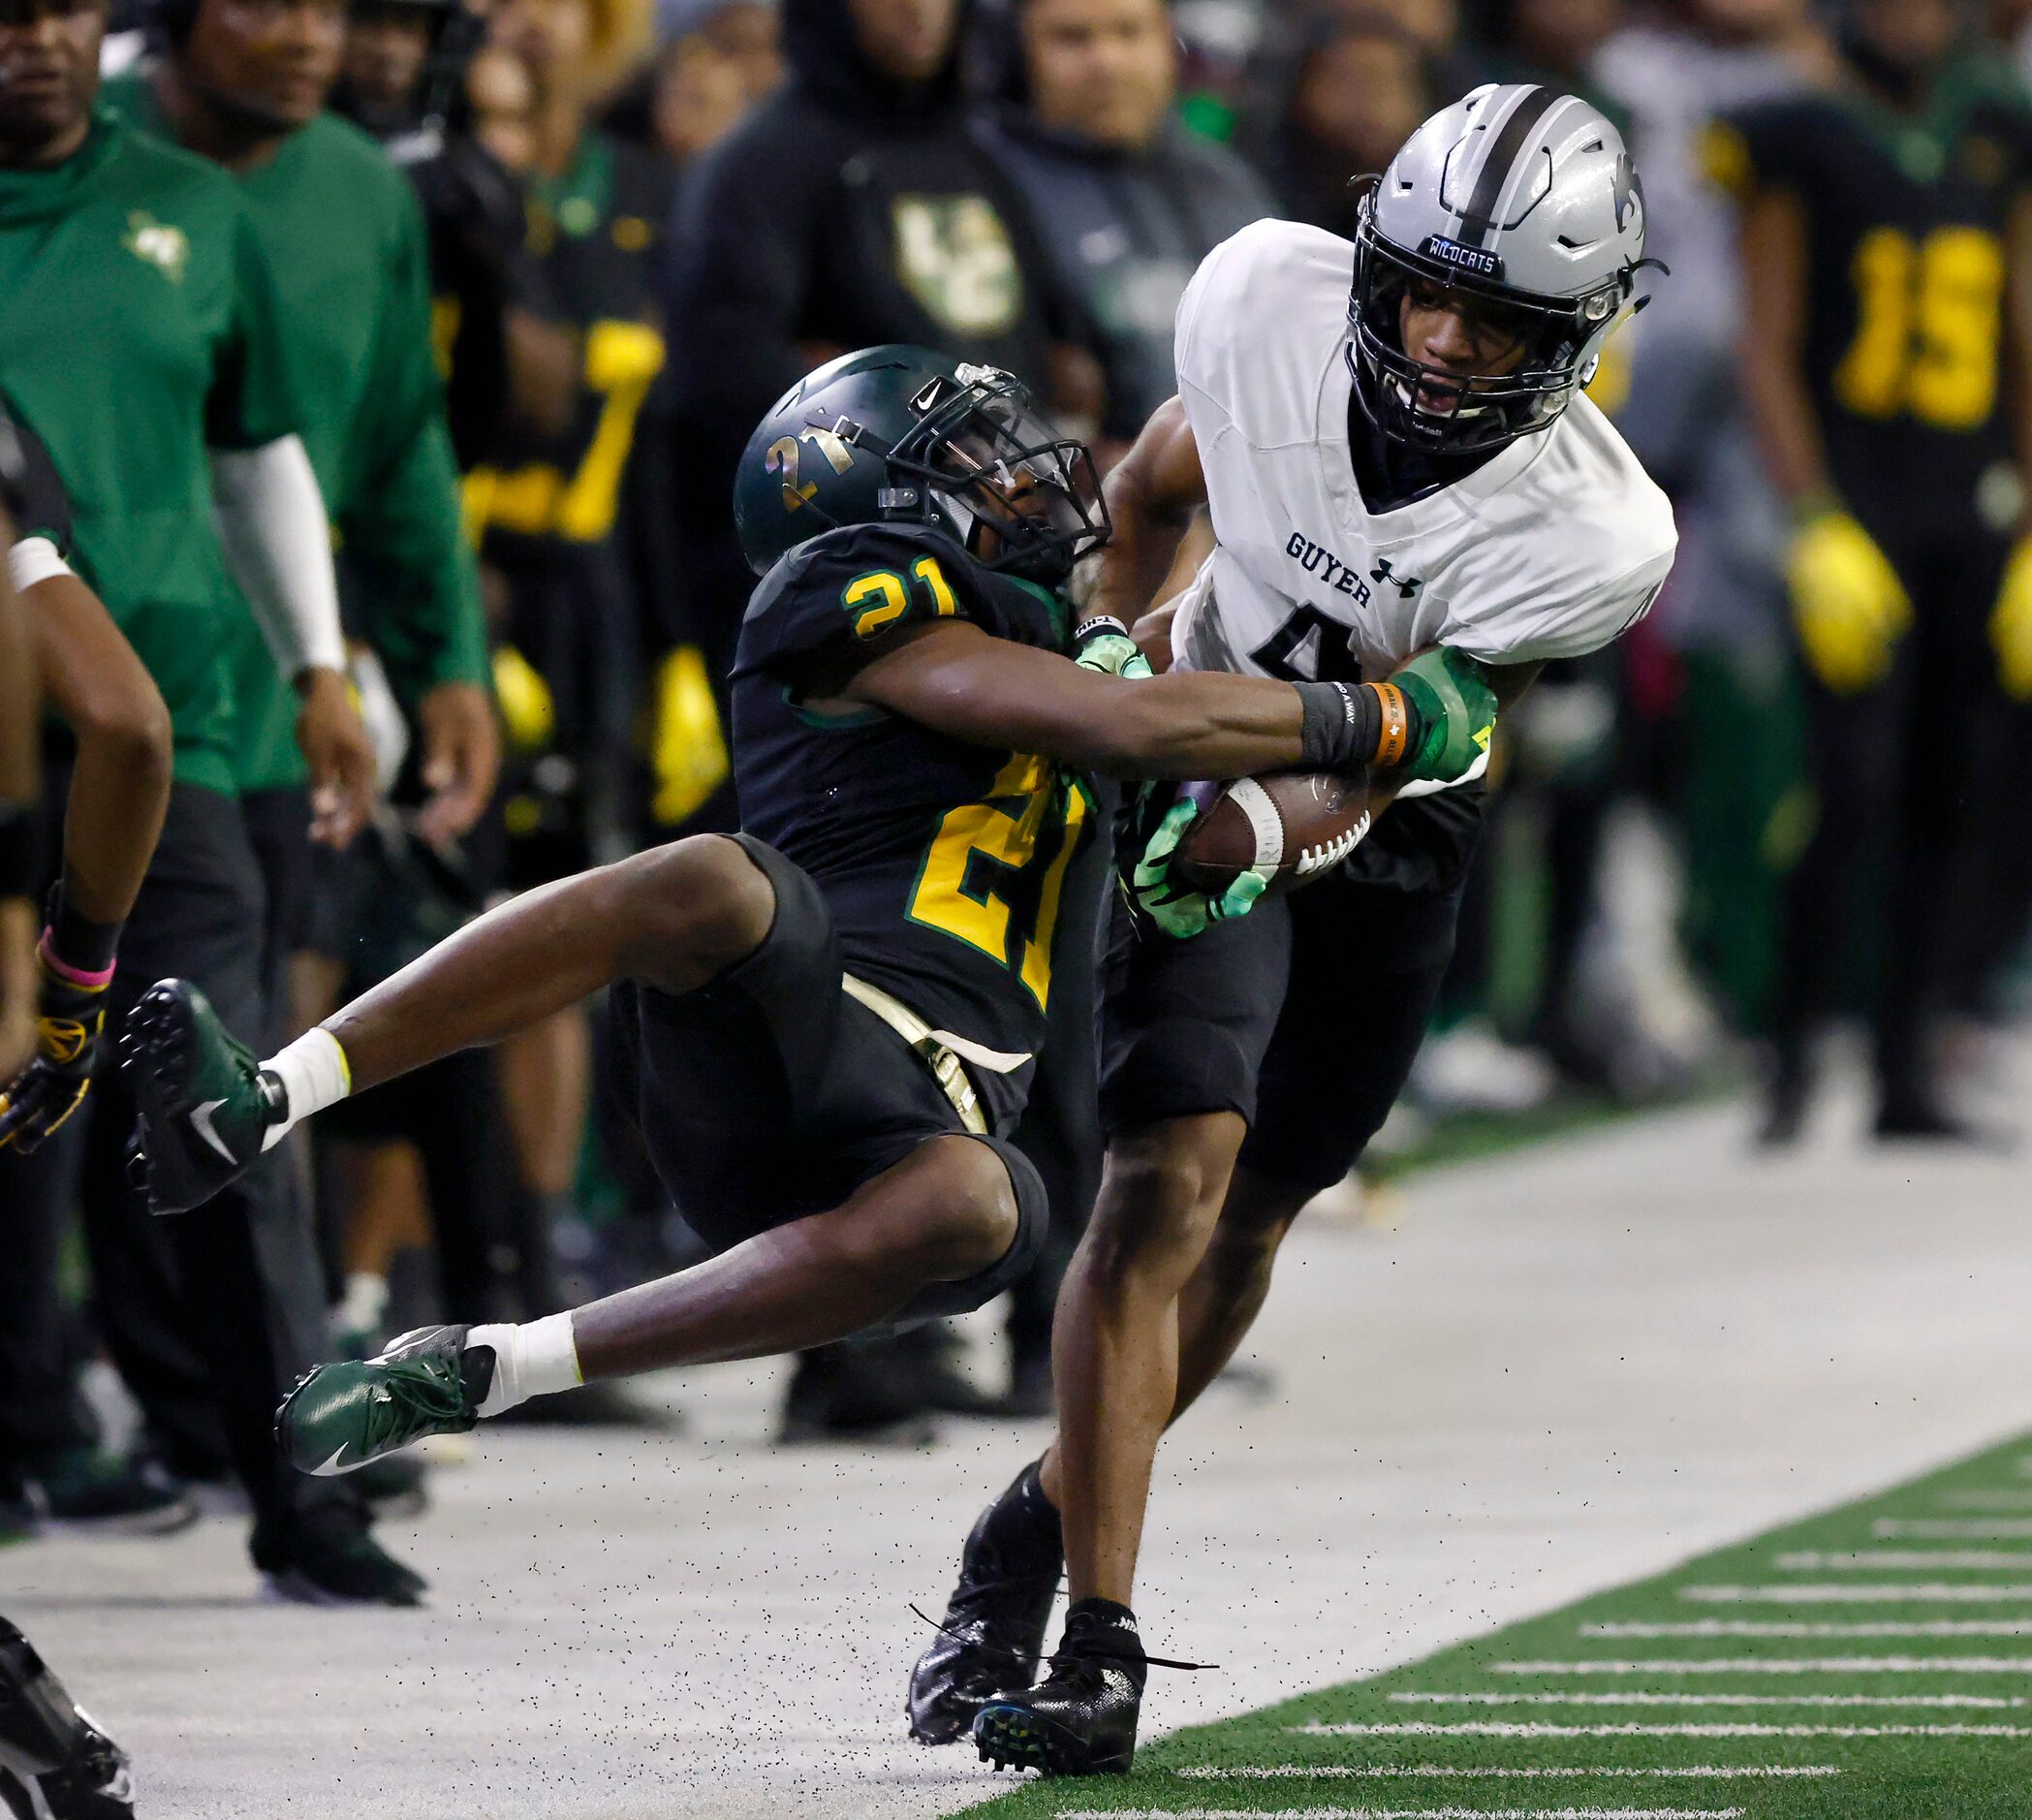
(944, 865)
(1905, 291)
(594, 238)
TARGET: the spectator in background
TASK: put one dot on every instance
(853, 207)
(1885, 373)
(696, 99)
(1127, 201)
(246, 87)
(573, 591)
(1358, 89)
(1554, 42)
(747, 34)
(170, 410)
(404, 80)
(1723, 621)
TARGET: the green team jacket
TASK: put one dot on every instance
(139, 327)
(345, 237)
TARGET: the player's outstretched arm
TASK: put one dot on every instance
(959, 680)
(1151, 494)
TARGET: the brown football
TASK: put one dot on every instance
(1297, 825)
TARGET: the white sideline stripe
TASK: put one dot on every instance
(1991, 1702)
(1952, 1528)
(1786, 1665)
(1855, 1592)
(1409, 1813)
(1984, 1500)
(1863, 1560)
(1753, 1627)
(1637, 1728)
(1366, 1772)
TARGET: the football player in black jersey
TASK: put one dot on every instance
(833, 1016)
(1885, 238)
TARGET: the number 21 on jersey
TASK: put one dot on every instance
(976, 882)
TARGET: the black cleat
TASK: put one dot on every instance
(55, 1764)
(332, 1560)
(994, 1631)
(1080, 1718)
(206, 1111)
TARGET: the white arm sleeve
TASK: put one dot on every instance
(278, 544)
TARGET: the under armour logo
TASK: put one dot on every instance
(1406, 585)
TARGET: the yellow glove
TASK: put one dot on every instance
(2010, 625)
(1847, 601)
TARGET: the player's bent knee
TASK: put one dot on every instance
(979, 1217)
(694, 909)
(1161, 1197)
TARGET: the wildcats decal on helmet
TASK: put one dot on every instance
(1483, 264)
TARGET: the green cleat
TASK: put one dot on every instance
(206, 1110)
(341, 1416)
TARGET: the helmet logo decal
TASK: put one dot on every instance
(1629, 193)
(1470, 259)
(782, 459)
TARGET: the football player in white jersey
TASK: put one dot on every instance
(1410, 497)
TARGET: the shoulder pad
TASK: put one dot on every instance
(860, 582)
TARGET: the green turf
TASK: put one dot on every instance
(1977, 1573)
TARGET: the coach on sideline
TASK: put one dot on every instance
(140, 340)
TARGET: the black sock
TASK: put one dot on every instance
(87, 947)
(1099, 1613)
(1102, 1628)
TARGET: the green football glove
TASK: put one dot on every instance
(1186, 913)
(1455, 715)
(1105, 645)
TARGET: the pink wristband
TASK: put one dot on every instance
(70, 975)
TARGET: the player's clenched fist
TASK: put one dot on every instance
(1452, 714)
(1847, 601)
(70, 1022)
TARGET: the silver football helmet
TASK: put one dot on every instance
(1525, 200)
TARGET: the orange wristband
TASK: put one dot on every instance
(1396, 738)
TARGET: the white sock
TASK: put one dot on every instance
(314, 1073)
(364, 1303)
(531, 1359)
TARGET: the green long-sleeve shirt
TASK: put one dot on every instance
(139, 328)
(345, 236)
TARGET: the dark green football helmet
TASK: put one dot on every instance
(902, 436)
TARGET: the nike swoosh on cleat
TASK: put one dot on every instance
(200, 1117)
(331, 1469)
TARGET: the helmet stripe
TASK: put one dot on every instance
(1479, 218)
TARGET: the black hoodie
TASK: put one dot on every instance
(846, 211)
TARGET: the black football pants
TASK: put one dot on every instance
(1913, 792)
(185, 1302)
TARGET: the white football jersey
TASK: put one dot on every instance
(1552, 548)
